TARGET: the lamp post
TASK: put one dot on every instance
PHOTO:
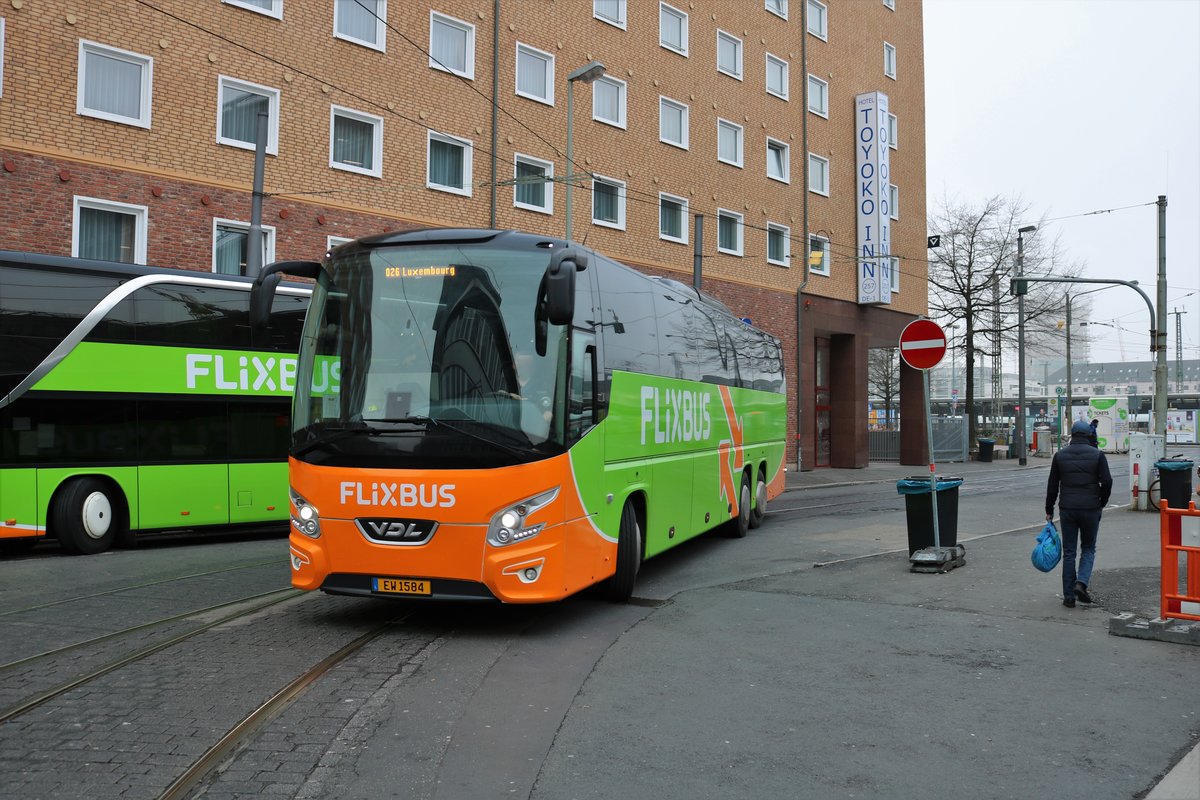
(1020, 437)
(588, 73)
(1070, 387)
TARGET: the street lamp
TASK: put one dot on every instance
(1021, 345)
(588, 73)
(1070, 387)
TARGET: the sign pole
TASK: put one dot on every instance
(937, 539)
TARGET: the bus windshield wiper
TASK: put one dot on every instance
(330, 433)
(412, 419)
(520, 451)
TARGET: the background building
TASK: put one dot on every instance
(128, 127)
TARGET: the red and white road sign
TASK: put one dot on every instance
(922, 344)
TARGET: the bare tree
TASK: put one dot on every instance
(969, 278)
(883, 377)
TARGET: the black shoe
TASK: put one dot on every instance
(1081, 593)
(1069, 602)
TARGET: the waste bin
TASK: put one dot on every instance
(985, 449)
(1175, 481)
(918, 507)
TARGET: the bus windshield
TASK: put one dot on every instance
(430, 355)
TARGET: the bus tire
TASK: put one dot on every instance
(759, 512)
(629, 555)
(739, 526)
(86, 516)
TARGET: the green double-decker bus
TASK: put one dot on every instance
(137, 399)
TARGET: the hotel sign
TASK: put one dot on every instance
(874, 215)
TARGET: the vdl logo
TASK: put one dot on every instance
(397, 531)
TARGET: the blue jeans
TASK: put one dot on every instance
(1080, 526)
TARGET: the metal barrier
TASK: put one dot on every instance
(1174, 605)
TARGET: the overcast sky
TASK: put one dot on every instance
(1078, 106)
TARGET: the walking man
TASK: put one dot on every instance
(1081, 483)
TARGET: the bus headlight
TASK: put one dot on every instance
(509, 525)
(305, 517)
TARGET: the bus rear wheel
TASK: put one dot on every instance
(86, 517)
(629, 555)
(759, 512)
(739, 526)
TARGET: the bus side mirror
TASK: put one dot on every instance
(263, 291)
(560, 285)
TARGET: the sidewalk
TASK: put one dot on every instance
(885, 471)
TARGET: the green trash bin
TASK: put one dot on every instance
(918, 507)
(1175, 481)
(986, 447)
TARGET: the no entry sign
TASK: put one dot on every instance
(922, 344)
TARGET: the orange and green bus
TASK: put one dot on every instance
(136, 399)
(486, 414)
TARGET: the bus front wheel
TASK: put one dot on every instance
(85, 516)
(629, 555)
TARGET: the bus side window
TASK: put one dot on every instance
(582, 404)
(199, 316)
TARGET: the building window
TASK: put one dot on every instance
(534, 189)
(729, 54)
(894, 276)
(819, 244)
(777, 76)
(818, 19)
(893, 201)
(818, 174)
(237, 114)
(608, 202)
(779, 241)
(672, 122)
(1, 56)
(893, 132)
(231, 244)
(608, 101)
(610, 11)
(673, 28)
(672, 218)
(361, 21)
(356, 141)
(729, 142)
(778, 7)
(779, 163)
(272, 8)
(889, 60)
(535, 74)
(729, 232)
(451, 45)
(890, 4)
(115, 85)
(449, 164)
(333, 241)
(818, 96)
(109, 231)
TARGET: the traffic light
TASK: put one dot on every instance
(1018, 286)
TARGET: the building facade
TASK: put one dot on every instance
(127, 131)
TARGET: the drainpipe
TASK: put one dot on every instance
(495, 103)
(804, 224)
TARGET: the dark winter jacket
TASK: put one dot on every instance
(1079, 472)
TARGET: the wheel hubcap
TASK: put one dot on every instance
(97, 515)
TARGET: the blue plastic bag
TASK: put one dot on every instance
(1048, 550)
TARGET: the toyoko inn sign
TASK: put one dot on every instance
(874, 215)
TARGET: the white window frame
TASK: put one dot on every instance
(787, 76)
(146, 89)
(272, 96)
(622, 99)
(741, 232)
(547, 60)
(621, 195)
(895, 274)
(786, 150)
(781, 12)
(268, 232)
(893, 201)
(821, 31)
(826, 254)
(468, 156)
(724, 124)
(670, 10)
(623, 14)
(893, 129)
(1, 56)
(889, 4)
(823, 110)
(889, 54)
(276, 9)
(818, 190)
(727, 36)
(141, 225)
(664, 101)
(683, 220)
(787, 244)
(548, 166)
(376, 123)
(380, 29)
(468, 70)
(333, 241)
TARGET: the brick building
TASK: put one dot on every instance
(127, 130)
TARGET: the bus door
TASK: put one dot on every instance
(183, 478)
(260, 429)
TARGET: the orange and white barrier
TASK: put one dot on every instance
(1179, 532)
